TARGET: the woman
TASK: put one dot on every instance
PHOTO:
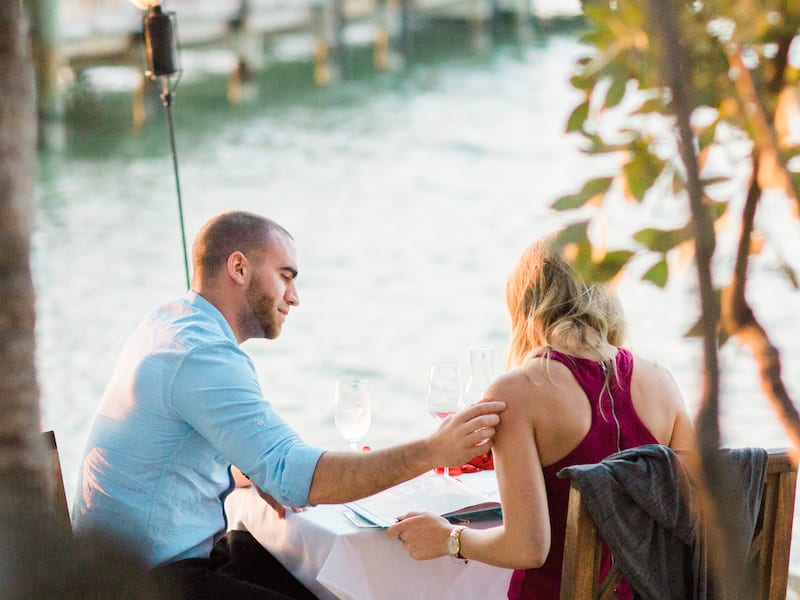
(573, 396)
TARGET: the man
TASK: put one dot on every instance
(184, 404)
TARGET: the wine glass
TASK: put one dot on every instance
(480, 372)
(445, 392)
(352, 413)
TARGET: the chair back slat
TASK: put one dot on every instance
(582, 544)
(772, 542)
(58, 499)
(580, 578)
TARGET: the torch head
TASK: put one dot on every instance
(145, 4)
(161, 43)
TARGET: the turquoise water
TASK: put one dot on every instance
(410, 195)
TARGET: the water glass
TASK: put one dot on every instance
(481, 372)
(352, 410)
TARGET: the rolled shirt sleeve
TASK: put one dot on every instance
(216, 391)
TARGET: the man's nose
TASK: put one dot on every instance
(292, 298)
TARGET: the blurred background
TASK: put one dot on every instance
(412, 174)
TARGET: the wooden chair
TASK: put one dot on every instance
(770, 546)
(58, 500)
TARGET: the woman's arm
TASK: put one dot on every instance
(523, 540)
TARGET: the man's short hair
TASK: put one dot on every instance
(228, 232)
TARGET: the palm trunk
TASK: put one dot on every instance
(23, 476)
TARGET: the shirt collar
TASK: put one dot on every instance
(204, 306)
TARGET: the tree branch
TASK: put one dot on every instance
(739, 320)
(771, 172)
(725, 556)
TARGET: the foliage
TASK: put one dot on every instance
(622, 81)
(688, 81)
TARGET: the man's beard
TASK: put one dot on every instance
(261, 313)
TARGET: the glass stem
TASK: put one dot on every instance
(354, 446)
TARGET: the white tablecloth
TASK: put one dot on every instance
(336, 559)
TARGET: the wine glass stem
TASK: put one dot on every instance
(447, 471)
(354, 446)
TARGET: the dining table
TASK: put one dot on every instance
(336, 558)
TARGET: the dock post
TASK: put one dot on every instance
(340, 47)
(45, 36)
(249, 57)
(479, 15)
(319, 28)
(385, 56)
(524, 18)
(405, 28)
(496, 17)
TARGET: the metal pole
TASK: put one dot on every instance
(166, 97)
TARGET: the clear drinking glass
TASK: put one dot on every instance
(445, 392)
(481, 372)
(352, 410)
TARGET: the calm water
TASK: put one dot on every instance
(410, 195)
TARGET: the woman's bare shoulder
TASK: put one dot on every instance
(650, 369)
(537, 378)
(656, 382)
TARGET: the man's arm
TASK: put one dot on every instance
(347, 476)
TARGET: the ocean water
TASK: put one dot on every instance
(410, 195)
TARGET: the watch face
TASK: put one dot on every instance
(452, 545)
(453, 542)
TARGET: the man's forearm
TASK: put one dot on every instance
(347, 476)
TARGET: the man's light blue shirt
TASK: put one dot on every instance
(183, 404)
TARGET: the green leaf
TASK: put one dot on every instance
(662, 240)
(590, 189)
(714, 180)
(578, 117)
(615, 92)
(641, 172)
(658, 273)
(715, 209)
(651, 105)
(574, 242)
(613, 262)
(789, 272)
(574, 233)
(582, 82)
(707, 136)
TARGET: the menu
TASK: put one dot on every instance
(445, 496)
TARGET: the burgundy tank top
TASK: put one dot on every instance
(615, 426)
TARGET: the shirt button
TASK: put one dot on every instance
(260, 422)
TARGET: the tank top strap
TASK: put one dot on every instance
(588, 373)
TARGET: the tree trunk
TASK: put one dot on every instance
(23, 473)
(38, 560)
(718, 516)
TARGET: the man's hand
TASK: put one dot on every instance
(466, 434)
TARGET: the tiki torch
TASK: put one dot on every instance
(163, 68)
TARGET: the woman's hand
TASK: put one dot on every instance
(424, 535)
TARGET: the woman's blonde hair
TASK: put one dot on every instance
(550, 306)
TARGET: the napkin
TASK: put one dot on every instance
(482, 462)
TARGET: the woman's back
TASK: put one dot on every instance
(561, 413)
(581, 411)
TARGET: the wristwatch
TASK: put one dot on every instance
(454, 544)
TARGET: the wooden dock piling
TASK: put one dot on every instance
(45, 35)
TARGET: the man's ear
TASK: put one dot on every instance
(238, 267)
